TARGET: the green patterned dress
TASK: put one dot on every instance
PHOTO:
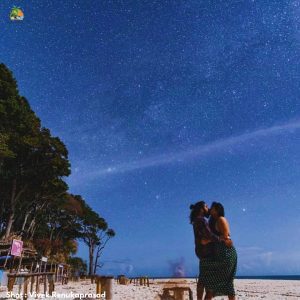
(217, 273)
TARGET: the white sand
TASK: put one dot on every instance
(246, 289)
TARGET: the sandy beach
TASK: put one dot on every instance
(246, 289)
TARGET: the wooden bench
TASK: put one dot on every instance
(176, 293)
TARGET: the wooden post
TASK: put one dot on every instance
(45, 265)
(32, 284)
(190, 294)
(51, 285)
(98, 286)
(37, 288)
(166, 295)
(45, 283)
(19, 280)
(25, 289)
(10, 283)
(11, 265)
(178, 294)
(7, 257)
(20, 262)
(31, 267)
(107, 287)
(55, 272)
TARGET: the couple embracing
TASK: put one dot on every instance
(214, 248)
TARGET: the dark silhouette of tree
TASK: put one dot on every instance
(34, 199)
(78, 266)
(104, 237)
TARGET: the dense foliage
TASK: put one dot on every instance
(34, 198)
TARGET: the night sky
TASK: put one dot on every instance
(164, 103)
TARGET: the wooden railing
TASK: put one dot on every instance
(143, 280)
(34, 280)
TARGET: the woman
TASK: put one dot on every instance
(204, 241)
(219, 274)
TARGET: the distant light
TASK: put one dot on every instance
(243, 209)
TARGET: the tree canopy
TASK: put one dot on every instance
(35, 200)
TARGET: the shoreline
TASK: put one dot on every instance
(245, 289)
(261, 277)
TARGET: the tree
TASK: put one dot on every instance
(22, 130)
(34, 198)
(29, 155)
(104, 237)
(92, 225)
(78, 266)
(94, 233)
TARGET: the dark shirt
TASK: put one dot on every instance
(203, 231)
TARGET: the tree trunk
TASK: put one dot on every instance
(99, 252)
(12, 213)
(9, 224)
(2, 215)
(51, 233)
(96, 261)
(25, 221)
(91, 260)
(13, 201)
(31, 225)
(33, 232)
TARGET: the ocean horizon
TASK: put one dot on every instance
(262, 277)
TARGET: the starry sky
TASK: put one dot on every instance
(163, 103)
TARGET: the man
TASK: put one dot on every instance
(204, 239)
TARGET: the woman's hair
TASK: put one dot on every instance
(195, 210)
(212, 221)
(219, 208)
